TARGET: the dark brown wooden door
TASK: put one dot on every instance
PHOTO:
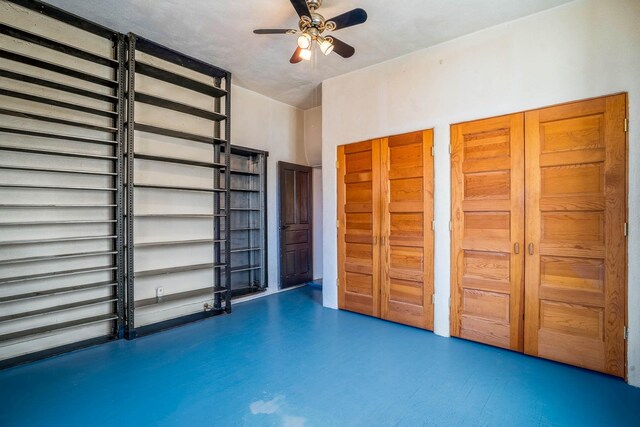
(295, 224)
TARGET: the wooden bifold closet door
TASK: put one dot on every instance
(568, 258)
(487, 206)
(385, 236)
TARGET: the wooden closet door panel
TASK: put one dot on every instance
(487, 205)
(576, 209)
(407, 235)
(359, 227)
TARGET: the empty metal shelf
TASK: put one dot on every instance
(29, 60)
(177, 134)
(57, 327)
(31, 206)
(173, 243)
(91, 221)
(57, 291)
(246, 190)
(55, 85)
(56, 257)
(157, 101)
(194, 216)
(169, 187)
(179, 296)
(55, 274)
(177, 160)
(52, 119)
(73, 171)
(172, 270)
(55, 240)
(54, 135)
(62, 307)
(178, 80)
(245, 268)
(244, 250)
(56, 103)
(55, 45)
(56, 187)
(240, 172)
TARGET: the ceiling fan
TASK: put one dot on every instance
(311, 27)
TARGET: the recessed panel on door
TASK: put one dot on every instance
(576, 209)
(487, 231)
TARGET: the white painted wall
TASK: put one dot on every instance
(584, 49)
(265, 124)
(313, 148)
(313, 135)
(317, 223)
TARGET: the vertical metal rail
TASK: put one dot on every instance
(217, 253)
(131, 75)
(263, 220)
(227, 180)
(121, 55)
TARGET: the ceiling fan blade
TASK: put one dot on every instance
(295, 58)
(272, 31)
(349, 19)
(301, 7)
(343, 49)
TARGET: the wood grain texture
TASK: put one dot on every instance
(487, 205)
(296, 224)
(407, 235)
(576, 208)
(385, 236)
(359, 227)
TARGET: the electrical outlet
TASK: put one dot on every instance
(159, 292)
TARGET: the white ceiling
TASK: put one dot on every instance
(220, 32)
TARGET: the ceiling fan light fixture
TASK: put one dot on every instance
(326, 45)
(304, 41)
(305, 54)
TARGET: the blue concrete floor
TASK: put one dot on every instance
(284, 360)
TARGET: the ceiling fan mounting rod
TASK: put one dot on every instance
(314, 4)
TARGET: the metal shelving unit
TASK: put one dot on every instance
(61, 147)
(162, 68)
(247, 231)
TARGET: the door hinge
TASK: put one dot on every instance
(450, 226)
(433, 152)
(433, 225)
(450, 149)
(626, 229)
(337, 283)
(338, 224)
(626, 333)
(626, 124)
(433, 299)
(337, 164)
